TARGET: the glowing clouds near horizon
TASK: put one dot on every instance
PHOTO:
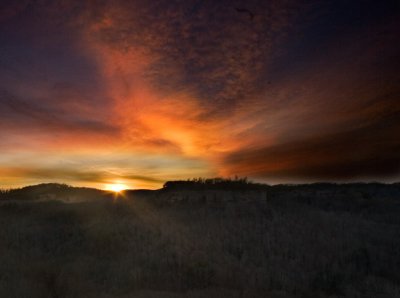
(116, 187)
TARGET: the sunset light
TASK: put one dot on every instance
(199, 149)
(116, 187)
(147, 92)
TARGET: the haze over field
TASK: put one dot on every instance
(97, 93)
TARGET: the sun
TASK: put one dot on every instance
(116, 187)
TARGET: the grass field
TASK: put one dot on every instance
(317, 240)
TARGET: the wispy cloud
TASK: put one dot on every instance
(281, 95)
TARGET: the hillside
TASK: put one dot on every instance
(199, 240)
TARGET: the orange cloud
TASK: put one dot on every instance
(177, 90)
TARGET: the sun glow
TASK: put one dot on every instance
(117, 187)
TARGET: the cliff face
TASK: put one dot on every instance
(210, 196)
(329, 194)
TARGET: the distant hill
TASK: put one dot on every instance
(51, 191)
(200, 188)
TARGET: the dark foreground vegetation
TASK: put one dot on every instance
(201, 239)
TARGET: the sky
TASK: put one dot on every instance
(94, 93)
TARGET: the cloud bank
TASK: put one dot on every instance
(300, 92)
